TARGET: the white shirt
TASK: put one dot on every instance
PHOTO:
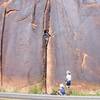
(68, 77)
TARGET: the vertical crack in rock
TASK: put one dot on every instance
(83, 62)
(2, 37)
(46, 35)
(46, 16)
(30, 81)
(33, 17)
(83, 57)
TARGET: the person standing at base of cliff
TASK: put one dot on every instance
(68, 79)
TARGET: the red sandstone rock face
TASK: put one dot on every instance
(22, 43)
(74, 44)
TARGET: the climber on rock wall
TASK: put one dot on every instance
(46, 37)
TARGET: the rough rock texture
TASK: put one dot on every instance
(22, 48)
(74, 43)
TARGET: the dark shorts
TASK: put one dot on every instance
(68, 83)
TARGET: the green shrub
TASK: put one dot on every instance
(98, 93)
(84, 93)
(2, 90)
(75, 93)
(55, 90)
(35, 89)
